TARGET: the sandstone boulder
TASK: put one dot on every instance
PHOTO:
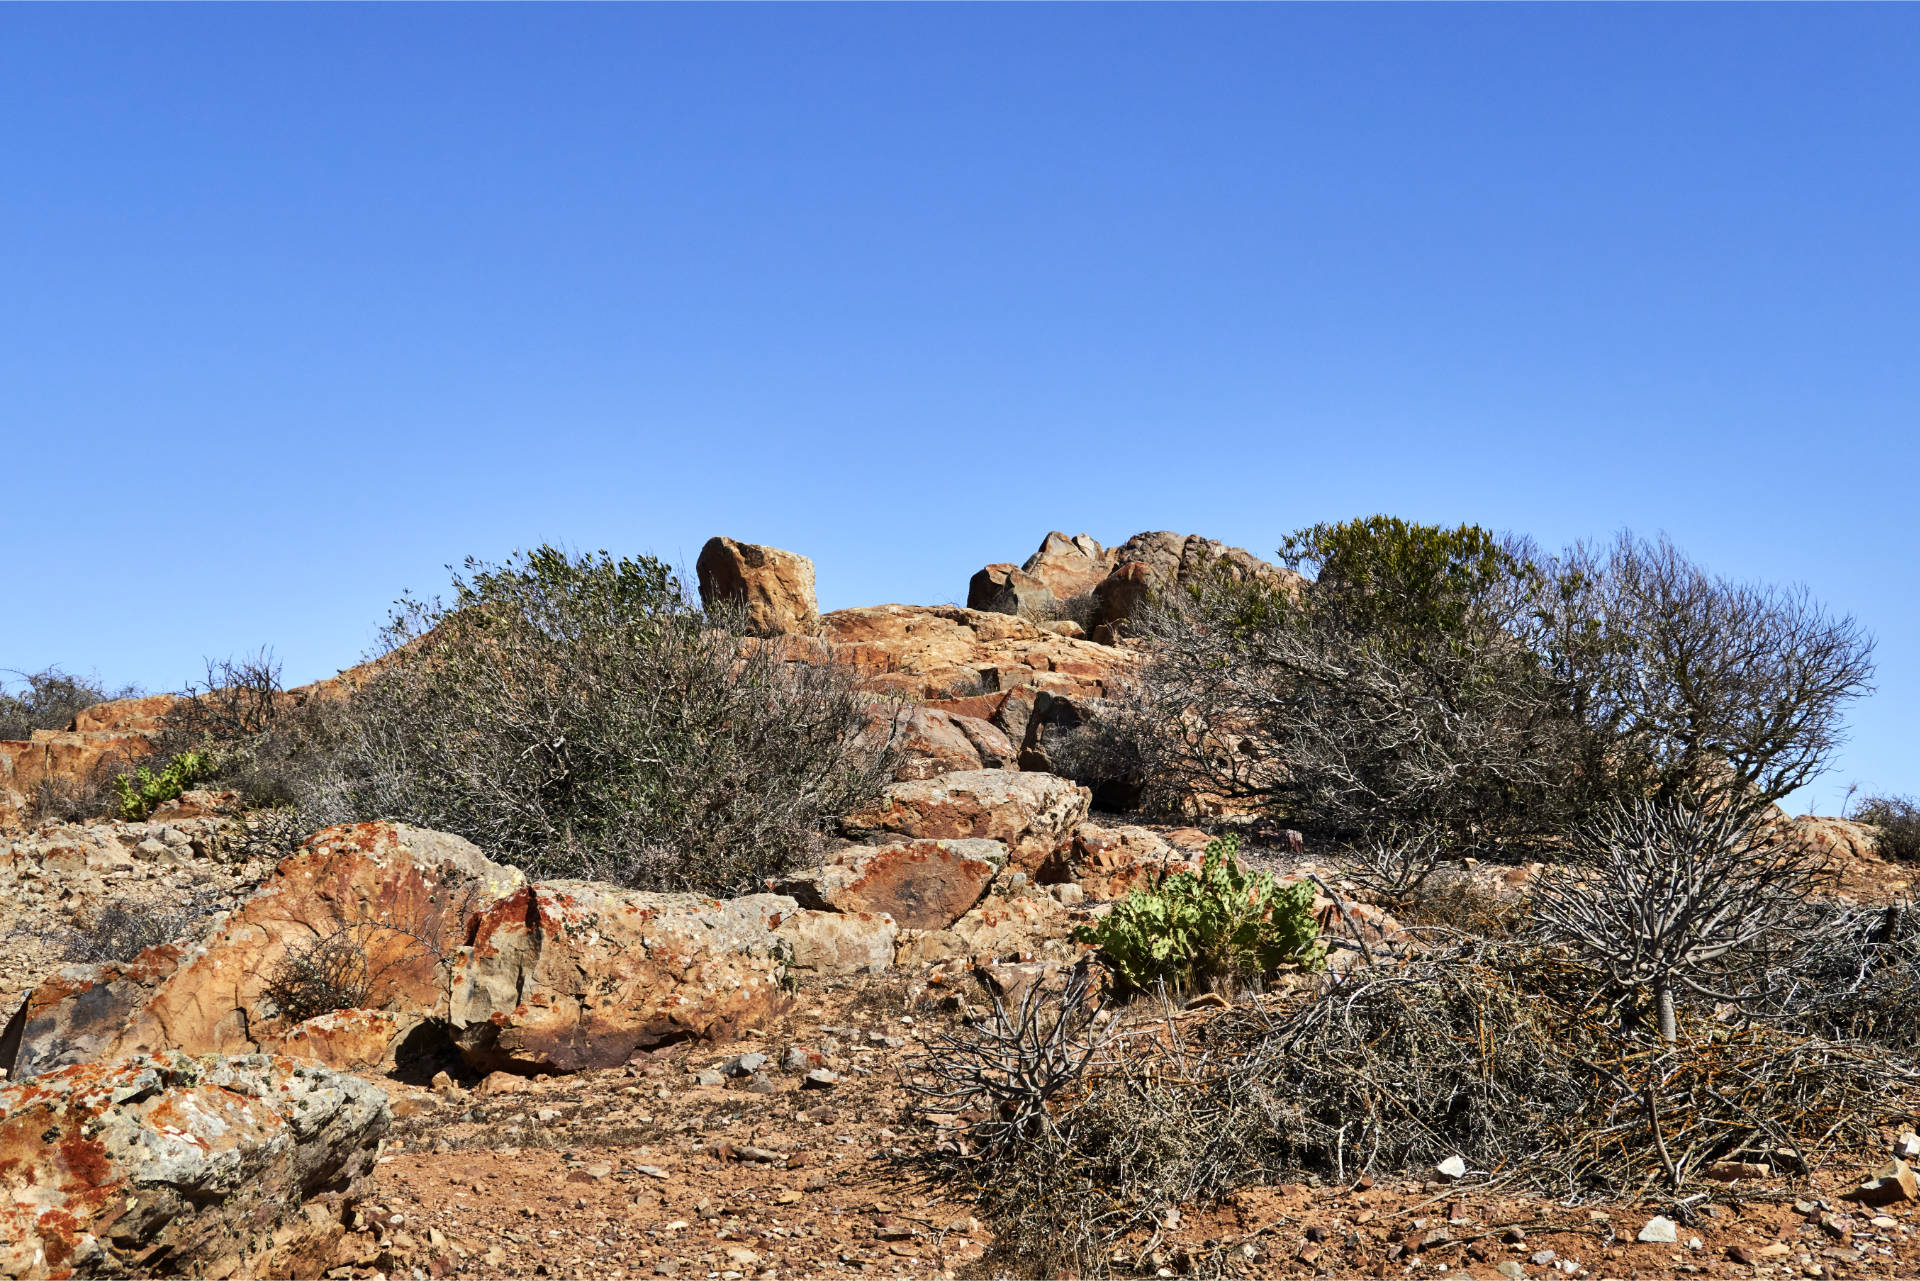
(1830, 837)
(166, 1165)
(922, 885)
(567, 975)
(941, 653)
(1006, 589)
(399, 897)
(838, 944)
(775, 586)
(933, 741)
(1033, 814)
(1159, 562)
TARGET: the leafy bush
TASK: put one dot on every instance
(578, 715)
(1895, 821)
(50, 700)
(140, 793)
(1219, 923)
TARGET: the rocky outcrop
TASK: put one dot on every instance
(1156, 564)
(1034, 815)
(399, 897)
(932, 741)
(941, 652)
(997, 928)
(921, 884)
(567, 975)
(1063, 569)
(775, 586)
(167, 1165)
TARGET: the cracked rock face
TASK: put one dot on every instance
(167, 1165)
(403, 895)
(568, 975)
(1033, 815)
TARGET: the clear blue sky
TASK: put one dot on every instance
(302, 303)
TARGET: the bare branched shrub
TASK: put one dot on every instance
(579, 716)
(1392, 691)
(1670, 900)
(1395, 865)
(1895, 821)
(1494, 1054)
(331, 973)
(1694, 689)
(121, 931)
(1016, 1065)
(1853, 974)
(240, 698)
(49, 700)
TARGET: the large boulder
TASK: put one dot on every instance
(1112, 862)
(1032, 814)
(568, 975)
(394, 901)
(1007, 589)
(775, 586)
(167, 1165)
(995, 929)
(932, 741)
(1157, 563)
(922, 885)
(1061, 570)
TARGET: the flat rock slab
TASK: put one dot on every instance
(1034, 815)
(922, 885)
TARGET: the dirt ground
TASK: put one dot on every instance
(641, 1172)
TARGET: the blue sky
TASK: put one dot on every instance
(303, 303)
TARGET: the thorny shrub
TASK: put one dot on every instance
(50, 699)
(1895, 821)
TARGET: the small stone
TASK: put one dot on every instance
(1660, 1230)
(790, 1196)
(666, 1268)
(1316, 1233)
(1541, 1258)
(1889, 1184)
(1907, 1146)
(1509, 1268)
(1457, 1212)
(442, 1083)
(819, 1079)
(708, 1076)
(1742, 1255)
(1514, 1236)
(1452, 1168)
(744, 1065)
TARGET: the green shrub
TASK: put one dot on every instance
(1221, 922)
(142, 792)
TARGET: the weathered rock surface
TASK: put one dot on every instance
(1007, 589)
(921, 884)
(1112, 862)
(941, 652)
(838, 944)
(1033, 814)
(775, 586)
(997, 928)
(566, 975)
(934, 741)
(1156, 563)
(402, 895)
(166, 1165)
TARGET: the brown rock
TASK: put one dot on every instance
(164, 1164)
(401, 895)
(568, 975)
(1033, 814)
(942, 653)
(1111, 862)
(775, 586)
(921, 885)
(1006, 589)
(1155, 564)
(933, 741)
(1888, 1185)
